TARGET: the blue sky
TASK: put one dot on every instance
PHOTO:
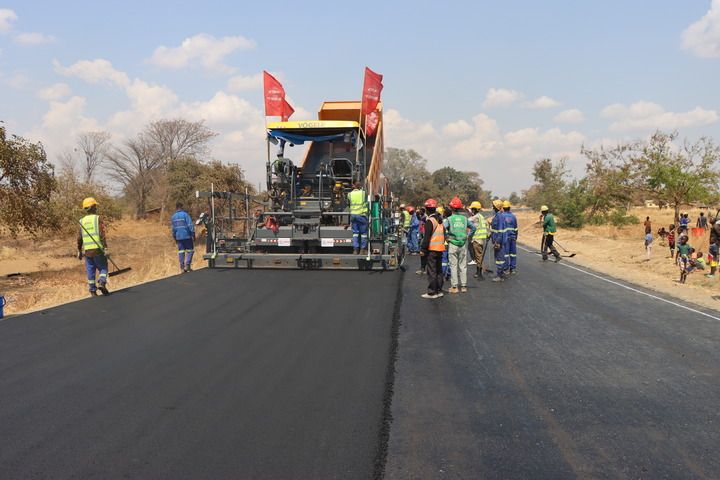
(484, 86)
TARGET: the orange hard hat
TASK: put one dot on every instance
(430, 203)
(456, 203)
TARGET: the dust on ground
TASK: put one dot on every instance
(620, 252)
(44, 272)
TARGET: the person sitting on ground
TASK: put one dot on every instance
(694, 262)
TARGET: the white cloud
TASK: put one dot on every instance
(702, 38)
(543, 102)
(651, 116)
(33, 38)
(458, 129)
(501, 97)
(17, 80)
(7, 17)
(569, 116)
(54, 92)
(245, 82)
(202, 48)
(94, 71)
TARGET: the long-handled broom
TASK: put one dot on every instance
(117, 270)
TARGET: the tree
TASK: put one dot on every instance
(608, 180)
(551, 179)
(449, 183)
(27, 180)
(405, 170)
(94, 146)
(176, 138)
(514, 198)
(677, 175)
(136, 167)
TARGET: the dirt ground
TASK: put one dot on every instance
(620, 252)
(43, 272)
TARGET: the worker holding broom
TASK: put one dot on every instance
(92, 245)
(549, 231)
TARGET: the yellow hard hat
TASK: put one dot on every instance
(506, 204)
(497, 204)
(89, 202)
(440, 210)
(544, 208)
(476, 205)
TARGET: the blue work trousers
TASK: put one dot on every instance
(359, 224)
(500, 259)
(446, 263)
(186, 249)
(511, 254)
(412, 237)
(95, 264)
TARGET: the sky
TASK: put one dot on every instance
(482, 86)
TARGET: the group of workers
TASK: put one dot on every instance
(448, 239)
(92, 244)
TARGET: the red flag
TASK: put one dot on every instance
(287, 111)
(274, 96)
(372, 86)
(371, 122)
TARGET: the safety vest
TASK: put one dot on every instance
(481, 232)
(406, 219)
(90, 231)
(458, 229)
(437, 237)
(358, 206)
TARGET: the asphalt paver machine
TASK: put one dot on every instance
(304, 223)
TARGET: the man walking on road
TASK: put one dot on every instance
(511, 226)
(480, 235)
(92, 244)
(433, 246)
(549, 231)
(413, 246)
(183, 231)
(499, 238)
(457, 228)
(358, 219)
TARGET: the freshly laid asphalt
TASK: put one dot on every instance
(211, 375)
(219, 374)
(553, 374)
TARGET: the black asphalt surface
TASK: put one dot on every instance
(211, 375)
(553, 374)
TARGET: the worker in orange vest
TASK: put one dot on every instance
(432, 247)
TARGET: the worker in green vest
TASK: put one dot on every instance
(549, 231)
(480, 236)
(458, 229)
(92, 245)
(357, 199)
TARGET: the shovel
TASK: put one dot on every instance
(117, 270)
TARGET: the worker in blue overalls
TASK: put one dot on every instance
(413, 243)
(183, 231)
(358, 219)
(498, 234)
(511, 226)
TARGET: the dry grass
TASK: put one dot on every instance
(620, 252)
(52, 275)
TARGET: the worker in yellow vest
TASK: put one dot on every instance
(357, 199)
(480, 236)
(92, 245)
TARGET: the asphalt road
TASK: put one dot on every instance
(212, 375)
(553, 374)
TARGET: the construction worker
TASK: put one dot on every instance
(479, 236)
(358, 218)
(433, 246)
(498, 234)
(413, 245)
(512, 233)
(92, 245)
(549, 231)
(183, 231)
(457, 229)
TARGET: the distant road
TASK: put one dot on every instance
(212, 375)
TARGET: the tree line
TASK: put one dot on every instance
(163, 164)
(674, 174)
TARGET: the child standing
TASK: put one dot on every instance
(684, 250)
(671, 240)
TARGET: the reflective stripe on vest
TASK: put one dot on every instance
(437, 238)
(358, 206)
(406, 219)
(481, 232)
(90, 231)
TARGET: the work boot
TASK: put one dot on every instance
(188, 269)
(356, 251)
(557, 259)
(363, 251)
(103, 289)
(498, 279)
(93, 293)
(420, 272)
(453, 290)
(463, 289)
(431, 296)
(182, 269)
